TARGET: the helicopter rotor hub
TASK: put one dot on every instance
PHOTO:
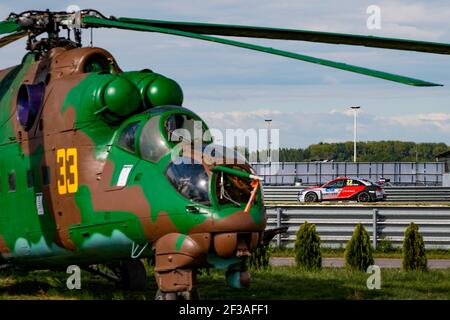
(50, 22)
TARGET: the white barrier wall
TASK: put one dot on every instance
(446, 180)
(312, 173)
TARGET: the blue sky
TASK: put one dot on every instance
(235, 88)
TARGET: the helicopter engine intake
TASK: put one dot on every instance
(115, 97)
(112, 96)
(155, 89)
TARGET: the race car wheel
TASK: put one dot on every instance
(311, 197)
(363, 197)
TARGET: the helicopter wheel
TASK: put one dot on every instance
(132, 275)
(184, 295)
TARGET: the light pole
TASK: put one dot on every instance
(268, 121)
(355, 129)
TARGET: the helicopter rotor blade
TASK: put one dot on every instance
(90, 21)
(12, 37)
(299, 35)
(9, 26)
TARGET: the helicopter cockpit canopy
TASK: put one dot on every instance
(198, 180)
(153, 134)
(196, 172)
(190, 179)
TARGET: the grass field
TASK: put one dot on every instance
(277, 283)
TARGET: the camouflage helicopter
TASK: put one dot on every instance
(87, 175)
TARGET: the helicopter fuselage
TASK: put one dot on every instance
(84, 179)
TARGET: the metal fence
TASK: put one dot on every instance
(335, 224)
(400, 173)
(282, 194)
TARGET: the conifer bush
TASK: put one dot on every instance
(359, 251)
(413, 251)
(260, 258)
(308, 255)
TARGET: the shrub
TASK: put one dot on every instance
(359, 251)
(385, 245)
(413, 251)
(259, 260)
(307, 248)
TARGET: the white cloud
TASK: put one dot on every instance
(299, 129)
(441, 121)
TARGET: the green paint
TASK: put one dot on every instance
(122, 97)
(18, 216)
(179, 242)
(8, 27)
(234, 280)
(104, 222)
(232, 171)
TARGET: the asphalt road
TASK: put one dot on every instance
(381, 262)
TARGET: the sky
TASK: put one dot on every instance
(235, 88)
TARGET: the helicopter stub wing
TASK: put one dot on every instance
(96, 22)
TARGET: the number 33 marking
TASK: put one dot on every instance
(67, 160)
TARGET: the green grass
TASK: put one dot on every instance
(339, 253)
(277, 283)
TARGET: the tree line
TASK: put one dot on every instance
(370, 151)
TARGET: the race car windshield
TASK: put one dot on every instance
(190, 179)
(367, 182)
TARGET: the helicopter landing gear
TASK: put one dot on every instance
(237, 276)
(176, 258)
(184, 295)
(128, 274)
(178, 284)
(131, 275)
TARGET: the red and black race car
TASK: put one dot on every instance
(344, 188)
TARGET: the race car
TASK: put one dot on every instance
(344, 188)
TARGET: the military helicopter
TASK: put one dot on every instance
(87, 173)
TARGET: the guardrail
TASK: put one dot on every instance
(335, 224)
(396, 194)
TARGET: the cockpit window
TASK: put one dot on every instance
(182, 127)
(97, 63)
(190, 179)
(232, 189)
(127, 138)
(151, 142)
